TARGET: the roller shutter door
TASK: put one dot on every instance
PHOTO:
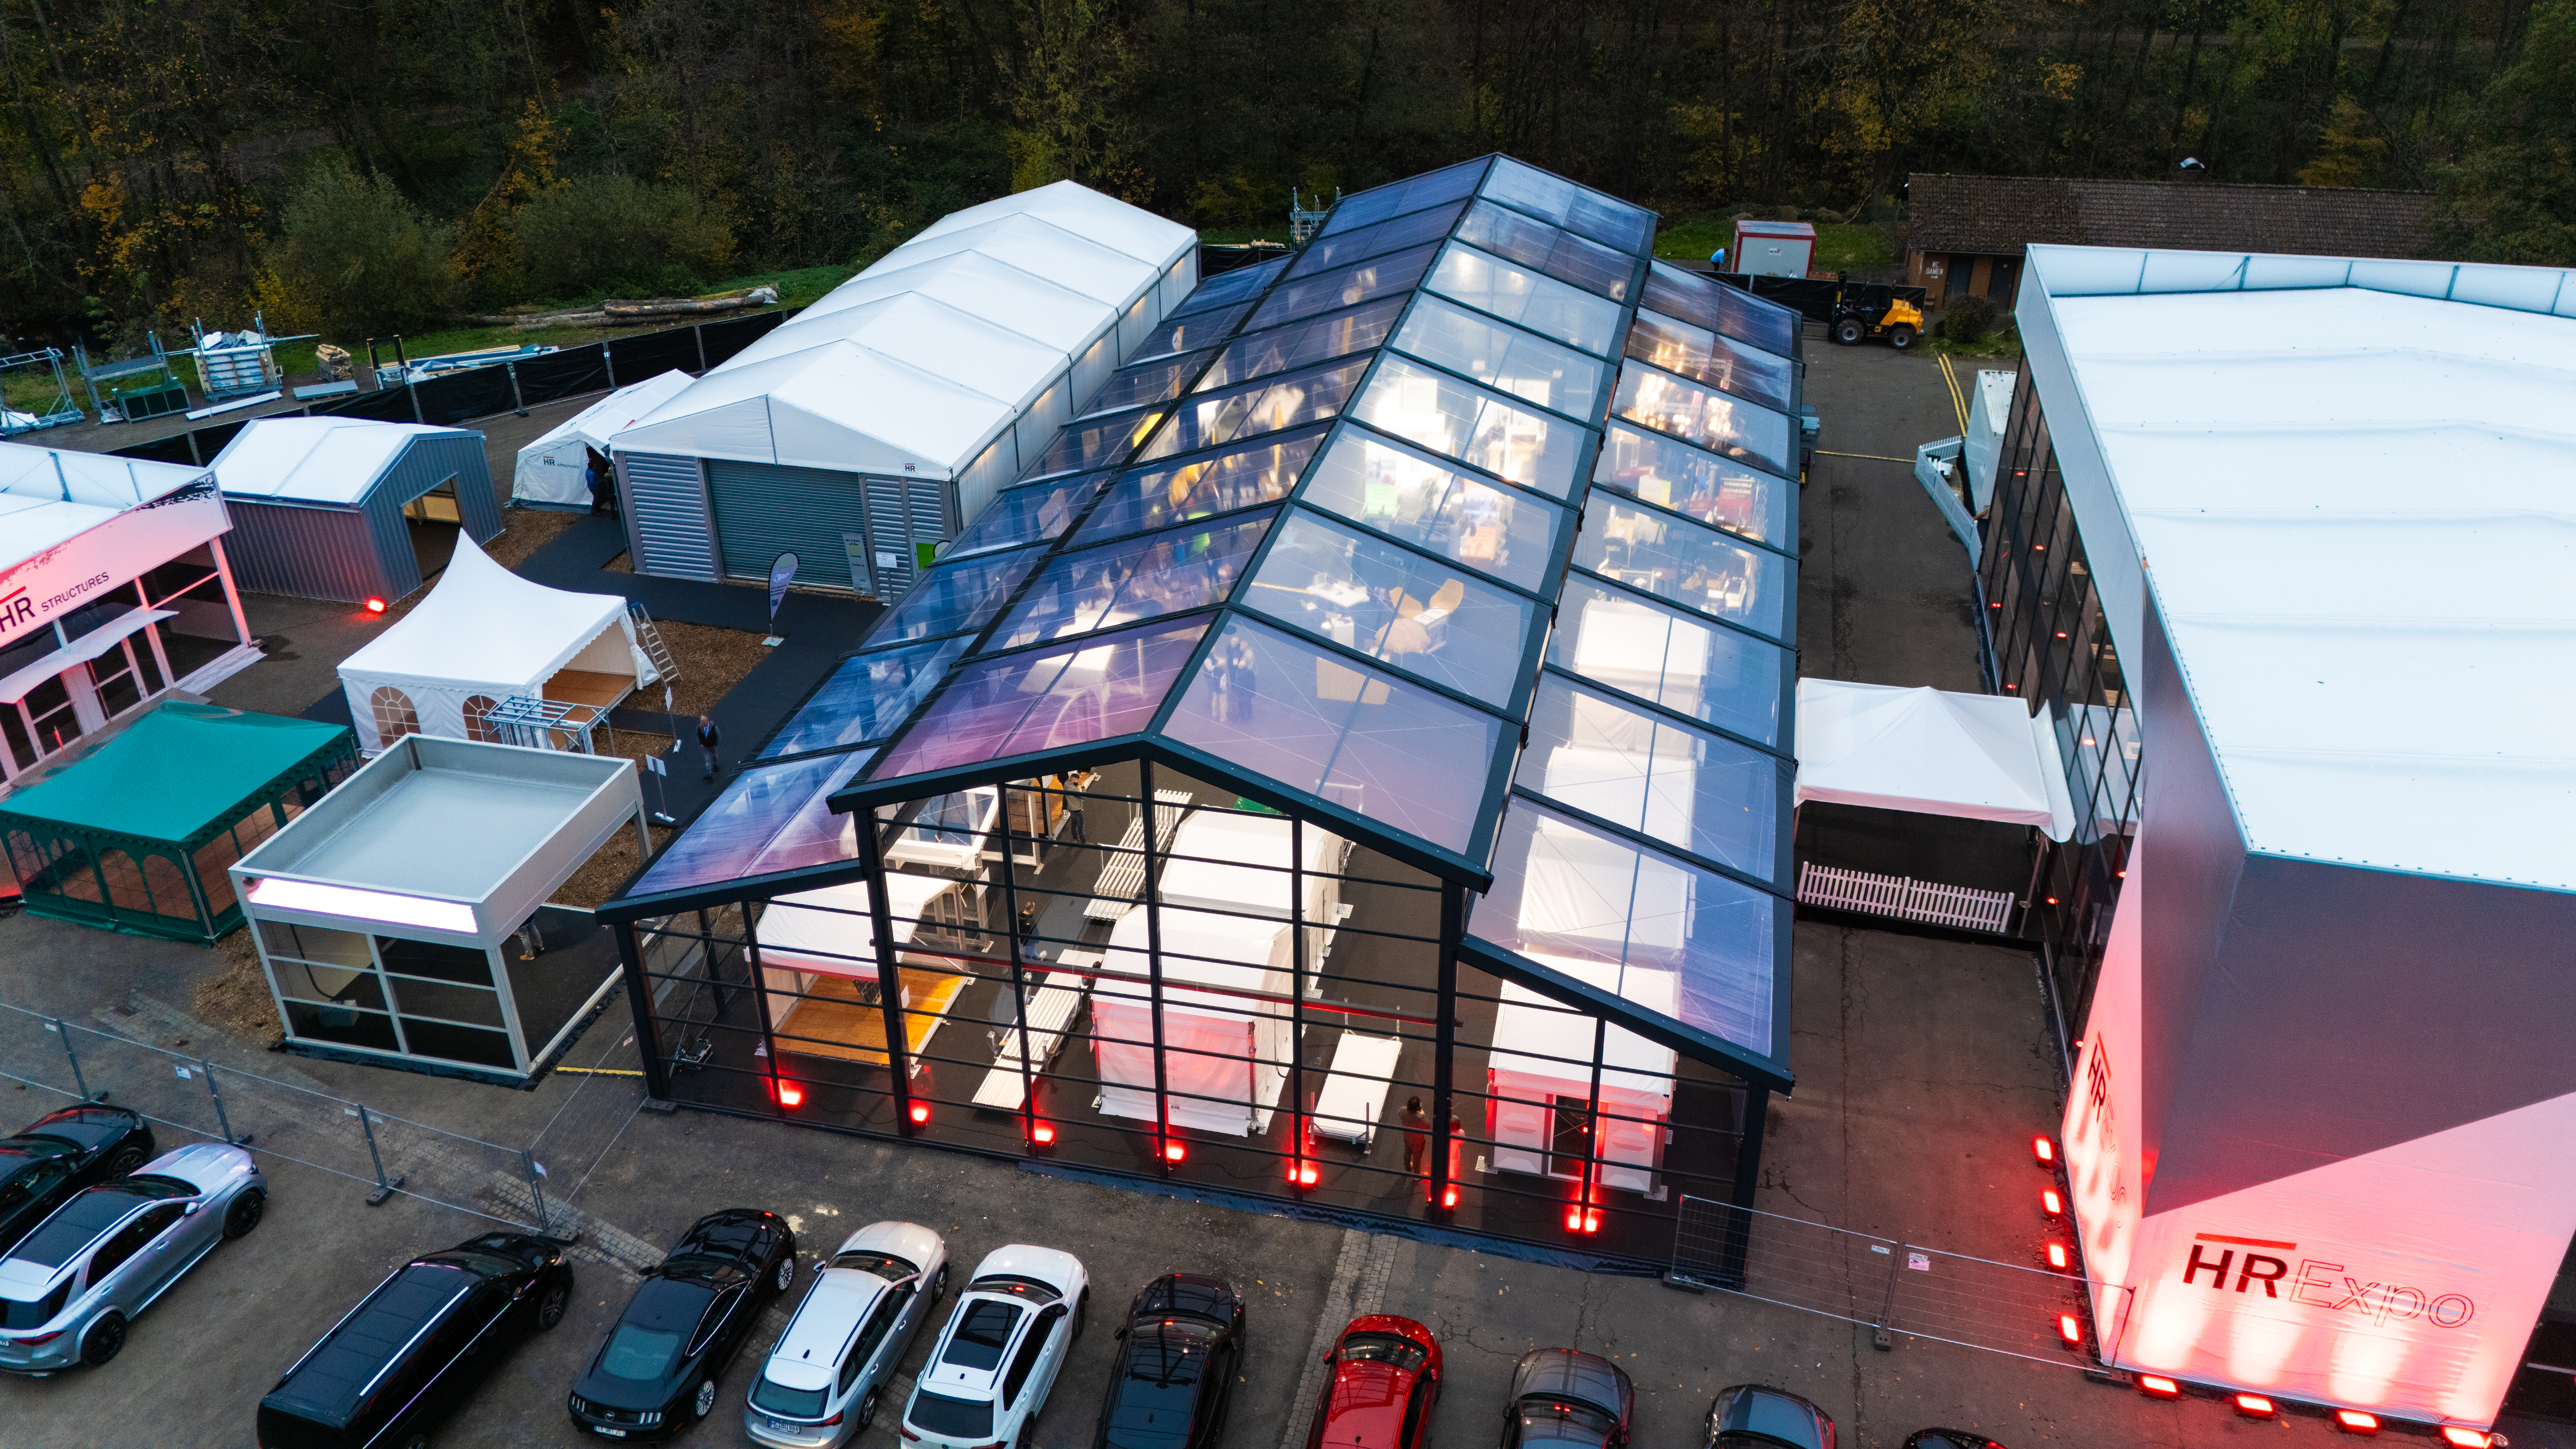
(904, 514)
(763, 510)
(667, 502)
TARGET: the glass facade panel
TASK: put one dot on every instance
(1673, 558)
(1102, 686)
(1474, 426)
(1234, 286)
(1146, 383)
(1398, 606)
(1304, 344)
(1093, 443)
(1731, 311)
(865, 698)
(1199, 487)
(1542, 304)
(1673, 474)
(1341, 248)
(1655, 652)
(1397, 198)
(1577, 208)
(1371, 743)
(1129, 582)
(1376, 277)
(1191, 333)
(1503, 358)
(954, 597)
(1684, 941)
(1704, 356)
(1560, 254)
(1409, 495)
(1206, 420)
(1688, 788)
(1031, 513)
(769, 818)
(1704, 416)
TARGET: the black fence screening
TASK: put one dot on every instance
(559, 375)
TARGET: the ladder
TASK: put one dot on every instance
(658, 653)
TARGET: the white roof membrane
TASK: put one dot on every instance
(312, 460)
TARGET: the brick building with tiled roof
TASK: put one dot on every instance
(1965, 234)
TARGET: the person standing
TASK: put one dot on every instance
(708, 739)
(1417, 1134)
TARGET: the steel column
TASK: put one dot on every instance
(1444, 1051)
(889, 975)
(1154, 967)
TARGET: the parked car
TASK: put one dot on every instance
(1386, 1378)
(1948, 1439)
(1562, 1397)
(70, 1287)
(412, 1349)
(824, 1376)
(60, 1153)
(1750, 1416)
(1005, 1342)
(1174, 1378)
(655, 1373)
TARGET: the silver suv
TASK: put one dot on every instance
(68, 1289)
(823, 1380)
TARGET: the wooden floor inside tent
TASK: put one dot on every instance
(832, 1022)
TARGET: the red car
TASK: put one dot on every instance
(1386, 1377)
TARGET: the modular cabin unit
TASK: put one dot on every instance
(1773, 248)
(327, 508)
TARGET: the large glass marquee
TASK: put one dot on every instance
(1351, 766)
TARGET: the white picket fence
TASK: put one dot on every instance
(1904, 898)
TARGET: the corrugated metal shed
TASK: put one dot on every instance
(344, 538)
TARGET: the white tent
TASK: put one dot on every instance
(484, 633)
(550, 469)
(1975, 756)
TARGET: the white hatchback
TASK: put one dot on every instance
(1012, 1330)
(820, 1385)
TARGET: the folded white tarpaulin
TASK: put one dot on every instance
(1930, 751)
(486, 632)
(550, 469)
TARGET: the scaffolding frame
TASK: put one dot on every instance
(55, 414)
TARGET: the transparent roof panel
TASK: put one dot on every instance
(1195, 331)
(1703, 415)
(1211, 419)
(1027, 514)
(1146, 383)
(1540, 303)
(1303, 344)
(865, 698)
(1397, 198)
(1721, 308)
(1093, 442)
(1505, 359)
(1416, 614)
(1556, 200)
(1561, 254)
(1689, 788)
(769, 818)
(1200, 487)
(1678, 938)
(1675, 475)
(1093, 688)
(1410, 495)
(1704, 356)
(1476, 427)
(1663, 656)
(1230, 286)
(1134, 580)
(1348, 287)
(1673, 558)
(954, 597)
(1372, 743)
(1341, 248)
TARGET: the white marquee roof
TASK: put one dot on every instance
(2353, 509)
(50, 496)
(484, 628)
(312, 460)
(604, 419)
(1930, 751)
(921, 360)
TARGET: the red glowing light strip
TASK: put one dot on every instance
(2461, 1438)
(2254, 1406)
(2354, 1421)
(2158, 1386)
(2050, 1203)
(2069, 1330)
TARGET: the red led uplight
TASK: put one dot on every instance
(375, 606)
(790, 1095)
(2057, 1258)
(2050, 1203)
(2070, 1332)
(2461, 1437)
(1174, 1151)
(1043, 1134)
(2044, 1150)
(920, 1113)
(2255, 1406)
(2354, 1421)
(2157, 1386)
(1449, 1196)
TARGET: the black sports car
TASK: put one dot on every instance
(1752, 1416)
(1562, 1398)
(59, 1154)
(656, 1372)
(1179, 1357)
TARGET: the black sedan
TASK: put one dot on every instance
(1750, 1416)
(1180, 1354)
(656, 1373)
(1562, 1398)
(59, 1154)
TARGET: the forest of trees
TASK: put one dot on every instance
(380, 163)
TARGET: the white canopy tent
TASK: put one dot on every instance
(549, 473)
(486, 634)
(1933, 752)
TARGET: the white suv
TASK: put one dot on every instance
(821, 1382)
(1012, 1330)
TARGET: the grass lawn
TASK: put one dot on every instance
(1838, 248)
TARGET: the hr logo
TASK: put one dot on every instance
(2317, 1283)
